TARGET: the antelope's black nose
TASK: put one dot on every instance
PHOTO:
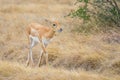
(61, 29)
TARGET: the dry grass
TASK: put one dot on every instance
(16, 71)
(72, 56)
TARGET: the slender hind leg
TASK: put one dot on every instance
(30, 56)
(28, 59)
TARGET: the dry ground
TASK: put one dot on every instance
(72, 56)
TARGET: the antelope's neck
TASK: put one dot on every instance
(50, 34)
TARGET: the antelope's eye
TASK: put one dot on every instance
(54, 24)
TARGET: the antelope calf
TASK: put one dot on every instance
(38, 33)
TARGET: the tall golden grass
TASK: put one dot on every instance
(16, 71)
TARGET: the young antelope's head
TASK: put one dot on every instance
(56, 27)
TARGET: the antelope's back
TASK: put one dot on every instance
(36, 29)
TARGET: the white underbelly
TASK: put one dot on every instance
(46, 41)
(35, 39)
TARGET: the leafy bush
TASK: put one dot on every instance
(103, 12)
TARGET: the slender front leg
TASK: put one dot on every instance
(28, 60)
(40, 58)
(46, 58)
(43, 46)
(46, 54)
(44, 51)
